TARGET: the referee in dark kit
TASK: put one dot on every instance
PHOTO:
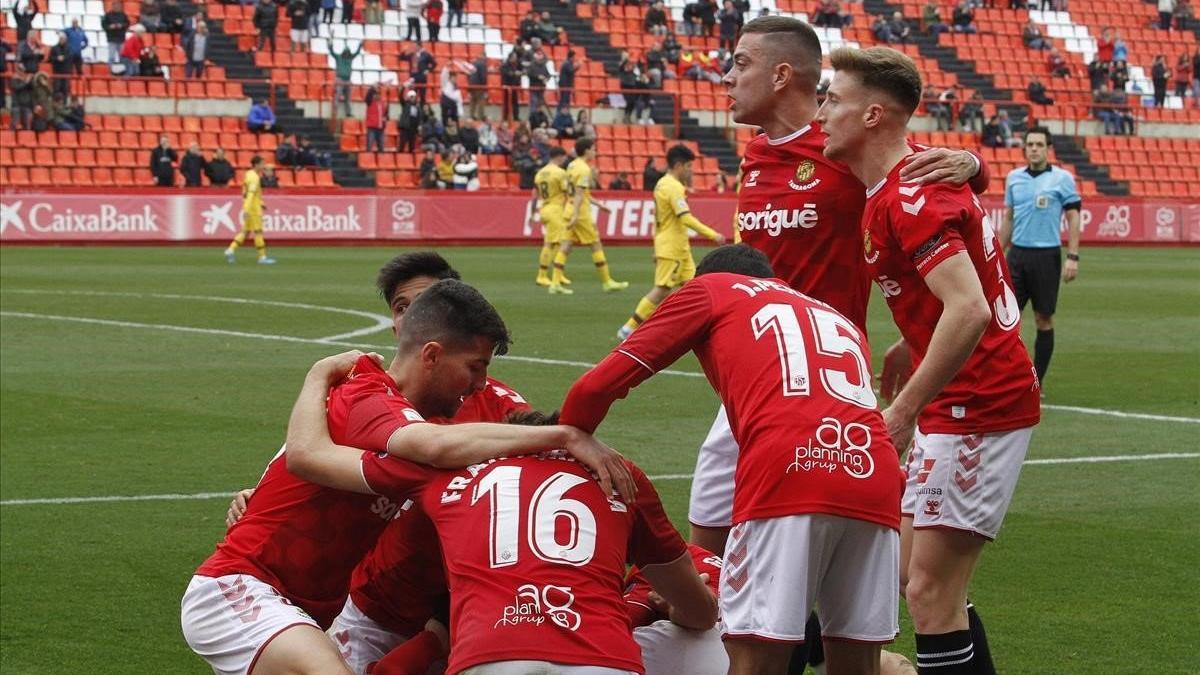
(1035, 199)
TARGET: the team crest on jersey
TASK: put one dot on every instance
(869, 252)
(804, 176)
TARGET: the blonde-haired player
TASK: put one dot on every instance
(581, 227)
(673, 262)
(552, 186)
(252, 219)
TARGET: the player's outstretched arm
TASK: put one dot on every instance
(693, 223)
(693, 604)
(965, 316)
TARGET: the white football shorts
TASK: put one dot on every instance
(670, 649)
(360, 639)
(539, 668)
(963, 482)
(228, 620)
(711, 501)
(777, 570)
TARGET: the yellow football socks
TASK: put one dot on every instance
(560, 264)
(645, 308)
(601, 264)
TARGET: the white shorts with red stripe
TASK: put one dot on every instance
(964, 482)
(228, 620)
(777, 570)
(670, 649)
(711, 501)
(361, 640)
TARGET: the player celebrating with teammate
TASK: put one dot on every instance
(973, 397)
(581, 226)
(673, 262)
(252, 215)
(816, 505)
(551, 185)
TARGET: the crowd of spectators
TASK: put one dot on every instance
(194, 167)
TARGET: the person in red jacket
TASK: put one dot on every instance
(131, 50)
(376, 119)
(433, 18)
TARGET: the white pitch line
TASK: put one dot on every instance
(659, 477)
(333, 341)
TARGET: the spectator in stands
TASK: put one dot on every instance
(997, 133)
(970, 116)
(192, 166)
(149, 64)
(115, 24)
(60, 65)
(73, 115)
(1196, 77)
(420, 64)
(409, 123)
(708, 16)
(489, 140)
(431, 129)
(672, 49)
(539, 118)
(343, 70)
(375, 120)
(1111, 109)
(131, 50)
(172, 17)
(261, 118)
(269, 179)
(504, 139)
(77, 41)
(1098, 73)
(266, 18)
(566, 80)
(1119, 75)
(321, 14)
(218, 169)
(1159, 77)
(453, 134)
(5, 50)
(938, 110)
(583, 125)
(445, 169)
(297, 14)
(1166, 9)
(526, 167)
(656, 66)
(29, 54)
(538, 74)
(468, 134)
(43, 102)
(22, 99)
(477, 90)
(455, 12)
(899, 28)
(620, 182)
(150, 16)
(162, 162)
(428, 169)
(964, 18)
(696, 65)
(1056, 64)
(1120, 47)
(1037, 92)
(691, 19)
(563, 124)
(931, 19)
(432, 12)
(1183, 75)
(308, 155)
(347, 11)
(632, 84)
(1183, 14)
(650, 175)
(731, 22)
(829, 14)
(528, 28)
(23, 18)
(655, 22)
(882, 30)
(452, 97)
(195, 51)
(510, 80)
(1032, 36)
(546, 30)
(466, 170)
(1105, 45)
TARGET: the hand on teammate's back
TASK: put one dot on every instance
(608, 464)
(332, 369)
(939, 165)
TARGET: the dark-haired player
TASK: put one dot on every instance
(581, 226)
(535, 551)
(673, 262)
(551, 187)
(816, 503)
(252, 215)
(280, 575)
(973, 397)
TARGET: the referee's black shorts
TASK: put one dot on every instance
(1036, 273)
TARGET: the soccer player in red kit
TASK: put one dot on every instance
(280, 576)
(799, 208)
(973, 397)
(535, 550)
(816, 504)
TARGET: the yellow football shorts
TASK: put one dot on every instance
(673, 272)
(252, 221)
(555, 223)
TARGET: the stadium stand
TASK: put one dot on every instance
(126, 115)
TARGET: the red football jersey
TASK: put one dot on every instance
(795, 378)
(637, 588)
(535, 555)
(304, 539)
(908, 229)
(400, 582)
(801, 209)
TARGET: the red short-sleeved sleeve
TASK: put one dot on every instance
(927, 221)
(674, 328)
(393, 477)
(372, 419)
(653, 539)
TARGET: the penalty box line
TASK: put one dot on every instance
(660, 477)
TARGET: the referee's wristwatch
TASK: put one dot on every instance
(1073, 256)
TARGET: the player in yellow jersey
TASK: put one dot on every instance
(552, 187)
(581, 227)
(252, 215)
(673, 262)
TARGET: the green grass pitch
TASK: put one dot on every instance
(1095, 571)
